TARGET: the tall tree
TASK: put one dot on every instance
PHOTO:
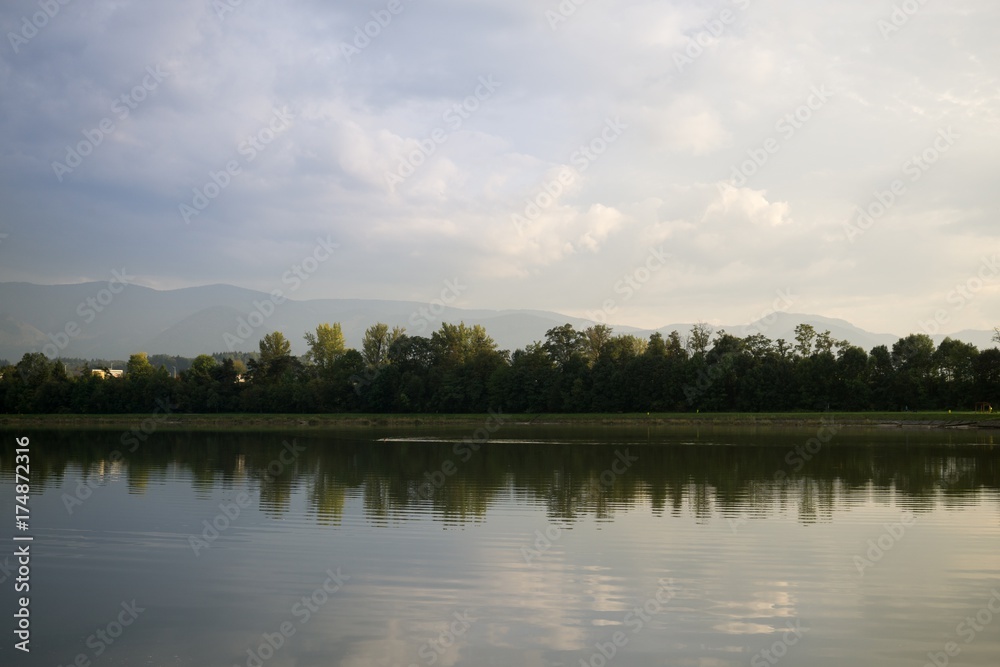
(824, 342)
(274, 360)
(563, 344)
(376, 343)
(138, 366)
(697, 341)
(804, 336)
(913, 361)
(594, 340)
(325, 346)
(273, 347)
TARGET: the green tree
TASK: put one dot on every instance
(656, 347)
(563, 344)
(376, 343)
(274, 347)
(274, 361)
(700, 336)
(913, 361)
(954, 368)
(987, 370)
(325, 346)
(804, 336)
(138, 366)
(824, 343)
(594, 340)
(203, 365)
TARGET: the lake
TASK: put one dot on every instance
(537, 545)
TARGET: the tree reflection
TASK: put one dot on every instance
(396, 480)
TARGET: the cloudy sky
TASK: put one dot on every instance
(538, 153)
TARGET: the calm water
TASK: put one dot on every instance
(547, 546)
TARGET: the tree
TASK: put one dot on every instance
(563, 344)
(35, 368)
(656, 347)
(674, 346)
(273, 347)
(987, 370)
(996, 335)
(758, 345)
(913, 361)
(804, 336)
(325, 346)
(138, 366)
(851, 391)
(697, 341)
(275, 358)
(955, 373)
(457, 343)
(376, 343)
(202, 366)
(594, 340)
(824, 342)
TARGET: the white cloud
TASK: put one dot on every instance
(356, 120)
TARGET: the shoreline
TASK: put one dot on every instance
(927, 420)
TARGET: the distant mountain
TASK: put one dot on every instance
(88, 321)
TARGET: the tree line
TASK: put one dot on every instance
(459, 369)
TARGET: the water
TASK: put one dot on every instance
(409, 547)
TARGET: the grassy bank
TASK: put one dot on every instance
(321, 421)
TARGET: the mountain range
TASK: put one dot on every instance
(90, 320)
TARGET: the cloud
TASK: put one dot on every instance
(358, 119)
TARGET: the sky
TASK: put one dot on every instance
(640, 163)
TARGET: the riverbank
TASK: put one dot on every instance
(914, 420)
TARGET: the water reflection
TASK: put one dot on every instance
(550, 538)
(697, 474)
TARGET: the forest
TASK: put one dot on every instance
(458, 369)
